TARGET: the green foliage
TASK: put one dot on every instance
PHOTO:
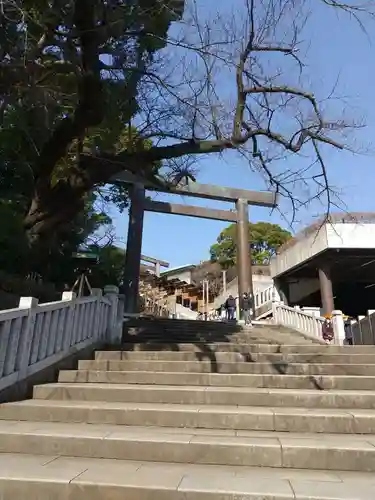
(52, 261)
(264, 238)
(17, 286)
(13, 242)
(55, 74)
(110, 267)
(43, 60)
(76, 74)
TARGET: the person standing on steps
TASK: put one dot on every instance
(327, 330)
(246, 305)
(230, 306)
(219, 311)
(348, 331)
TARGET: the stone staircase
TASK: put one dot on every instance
(198, 412)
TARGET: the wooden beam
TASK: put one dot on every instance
(147, 268)
(152, 260)
(190, 211)
(208, 191)
(220, 193)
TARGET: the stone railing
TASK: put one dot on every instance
(265, 296)
(263, 301)
(182, 312)
(300, 321)
(308, 323)
(35, 336)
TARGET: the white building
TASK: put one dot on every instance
(331, 264)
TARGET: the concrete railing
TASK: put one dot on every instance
(264, 297)
(309, 324)
(35, 336)
(300, 321)
(263, 301)
(184, 313)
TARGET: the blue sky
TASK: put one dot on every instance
(340, 56)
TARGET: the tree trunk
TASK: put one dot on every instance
(51, 208)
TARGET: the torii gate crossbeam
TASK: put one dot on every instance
(139, 204)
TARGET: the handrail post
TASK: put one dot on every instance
(27, 334)
(338, 327)
(114, 334)
(98, 293)
(69, 323)
(275, 311)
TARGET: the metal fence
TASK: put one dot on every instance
(362, 331)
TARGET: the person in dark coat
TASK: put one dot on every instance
(348, 332)
(327, 331)
(230, 307)
(247, 307)
(219, 311)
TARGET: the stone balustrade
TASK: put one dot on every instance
(295, 318)
(308, 323)
(35, 336)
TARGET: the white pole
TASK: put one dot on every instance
(208, 298)
(203, 297)
(224, 282)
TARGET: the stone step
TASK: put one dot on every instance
(38, 477)
(324, 452)
(209, 364)
(31, 425)
(320, 382)
(195, 326)
(202, 326)
(216, 327)
(236, 356)
(265, 347)
(189, 335)
(189, 346)
(200, 395)
(194, 416)
(254, 333)
(213, 338)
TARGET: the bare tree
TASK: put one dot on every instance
(244, 88)
(226, 82)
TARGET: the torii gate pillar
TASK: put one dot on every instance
(134, 248)
(245, 279)
(139, 204)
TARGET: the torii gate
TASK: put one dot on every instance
(139, 204)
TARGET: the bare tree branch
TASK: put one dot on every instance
(230, 80)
